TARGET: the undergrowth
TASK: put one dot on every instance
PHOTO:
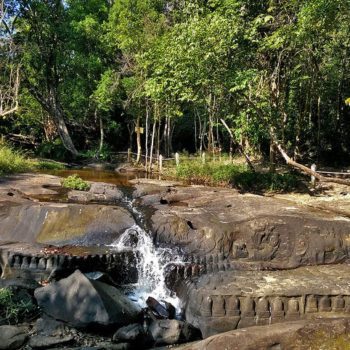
(12, 161)
(15, 307)
(237, 176)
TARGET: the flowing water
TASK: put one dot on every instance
(151, 266)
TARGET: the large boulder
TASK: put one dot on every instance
(63, 223)
(12, 337)
(82, 302)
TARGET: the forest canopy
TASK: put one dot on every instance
(96, 76)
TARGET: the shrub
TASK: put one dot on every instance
(236, 176)
(74, 182)
(15, 308)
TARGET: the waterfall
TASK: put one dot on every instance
(151, 265)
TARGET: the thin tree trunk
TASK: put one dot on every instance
(152, 144)
(146, 136)
(138, 140)
(102, 135)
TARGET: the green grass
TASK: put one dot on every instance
(48, 165)
(12, 161)
(74, 182)
(237, 176)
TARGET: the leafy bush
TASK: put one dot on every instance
(74, 182)
(15, 308)
(12, 161)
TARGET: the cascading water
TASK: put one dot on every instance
(151, 265)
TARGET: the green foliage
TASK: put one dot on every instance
(15, 308)
(12, 161)
(265, 182)
(48, 165)
(53, 150)
(236, 176)
(212, 173)
(74, 182)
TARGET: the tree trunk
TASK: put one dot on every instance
(52, 106)
(138, 140)
(152, 144)
(102, 136)
(146, 136)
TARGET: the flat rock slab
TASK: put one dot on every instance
(63, 223)
(255, 228)
(300, 335)
(30, 184)
(319, 280)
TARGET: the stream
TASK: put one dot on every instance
(151, 260)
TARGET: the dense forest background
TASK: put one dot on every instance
(97, 76)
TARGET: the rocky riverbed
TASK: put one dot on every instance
(270, 271)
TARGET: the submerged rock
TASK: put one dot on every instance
(12, 337)
(83, 303)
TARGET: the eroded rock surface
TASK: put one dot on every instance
(238, 299)
(248, 227)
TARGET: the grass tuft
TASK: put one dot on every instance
(75, 182)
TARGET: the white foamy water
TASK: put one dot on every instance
(151, 265)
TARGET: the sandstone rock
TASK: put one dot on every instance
(131, 333)
(300, 335)
(248, 227)
(168, 332)
(82, 302)
(226, 300)
(45, 342)
(98, 192)
(12, 337)
(63, 223)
